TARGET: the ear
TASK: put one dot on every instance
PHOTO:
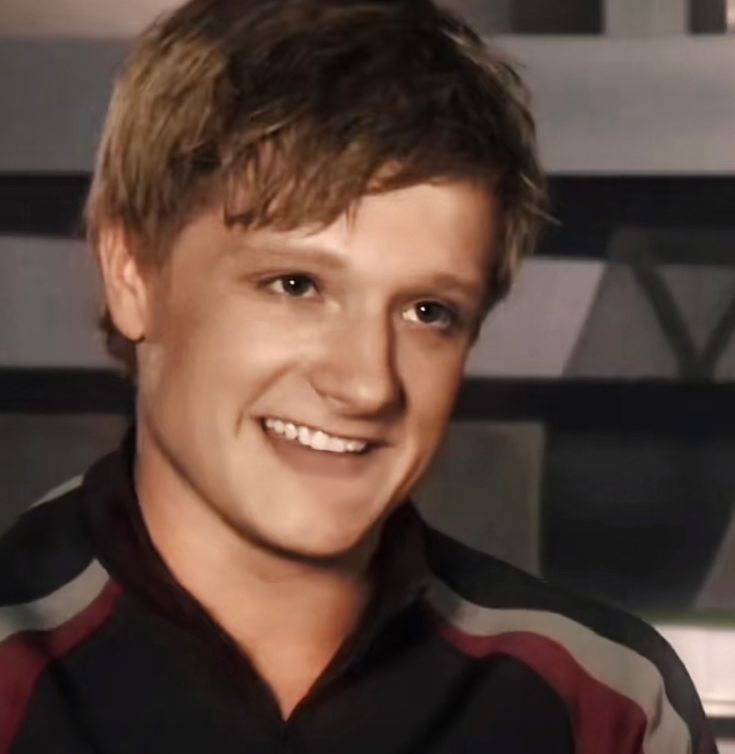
(126, 288)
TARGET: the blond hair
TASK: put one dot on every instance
(287, 112)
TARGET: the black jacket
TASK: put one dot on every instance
(102, 651)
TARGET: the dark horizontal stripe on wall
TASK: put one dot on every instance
(534, 16)
(723, 727)
(588, 208)
(606, 406)
(43, 204)
(565, 405)
(64, 391)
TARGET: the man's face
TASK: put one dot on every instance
(296, 385)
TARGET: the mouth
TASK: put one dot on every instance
(313, 438)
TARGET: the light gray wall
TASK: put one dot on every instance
(54, 95)
(50, 300)
(657, 105)
(49, 304)
(572, 318)
(626, 18)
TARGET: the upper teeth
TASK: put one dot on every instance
(314, 438)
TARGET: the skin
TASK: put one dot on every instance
(361, 329)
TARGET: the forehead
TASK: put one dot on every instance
(430, 223)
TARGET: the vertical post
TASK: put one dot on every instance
(712, 16)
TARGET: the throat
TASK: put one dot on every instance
(292, 672)
(291, 646)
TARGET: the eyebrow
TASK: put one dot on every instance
(446, 281)
(285, 255)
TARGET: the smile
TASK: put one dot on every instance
(316, 439)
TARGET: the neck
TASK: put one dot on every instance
(253, 591)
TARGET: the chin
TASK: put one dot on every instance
(324, 550)
(310, 542)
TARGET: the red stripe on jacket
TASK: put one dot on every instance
(604, 721)
(25, 655)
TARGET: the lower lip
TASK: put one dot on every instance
(318, 462)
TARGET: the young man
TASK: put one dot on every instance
(302, 210)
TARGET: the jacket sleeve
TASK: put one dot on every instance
(682, 695)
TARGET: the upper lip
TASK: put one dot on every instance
(314, 427)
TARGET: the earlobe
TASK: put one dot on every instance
(125, 286)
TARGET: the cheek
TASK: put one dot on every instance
(228, 347)
(186, 348)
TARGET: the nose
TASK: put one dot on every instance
(355, 373)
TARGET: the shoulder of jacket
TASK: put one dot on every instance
(46, 547)
(582, 647)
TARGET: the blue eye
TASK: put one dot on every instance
(431, 313)
(296, 286)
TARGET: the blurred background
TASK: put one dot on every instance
(594, 440)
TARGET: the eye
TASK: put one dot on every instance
(296, 286)
(431, 313)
